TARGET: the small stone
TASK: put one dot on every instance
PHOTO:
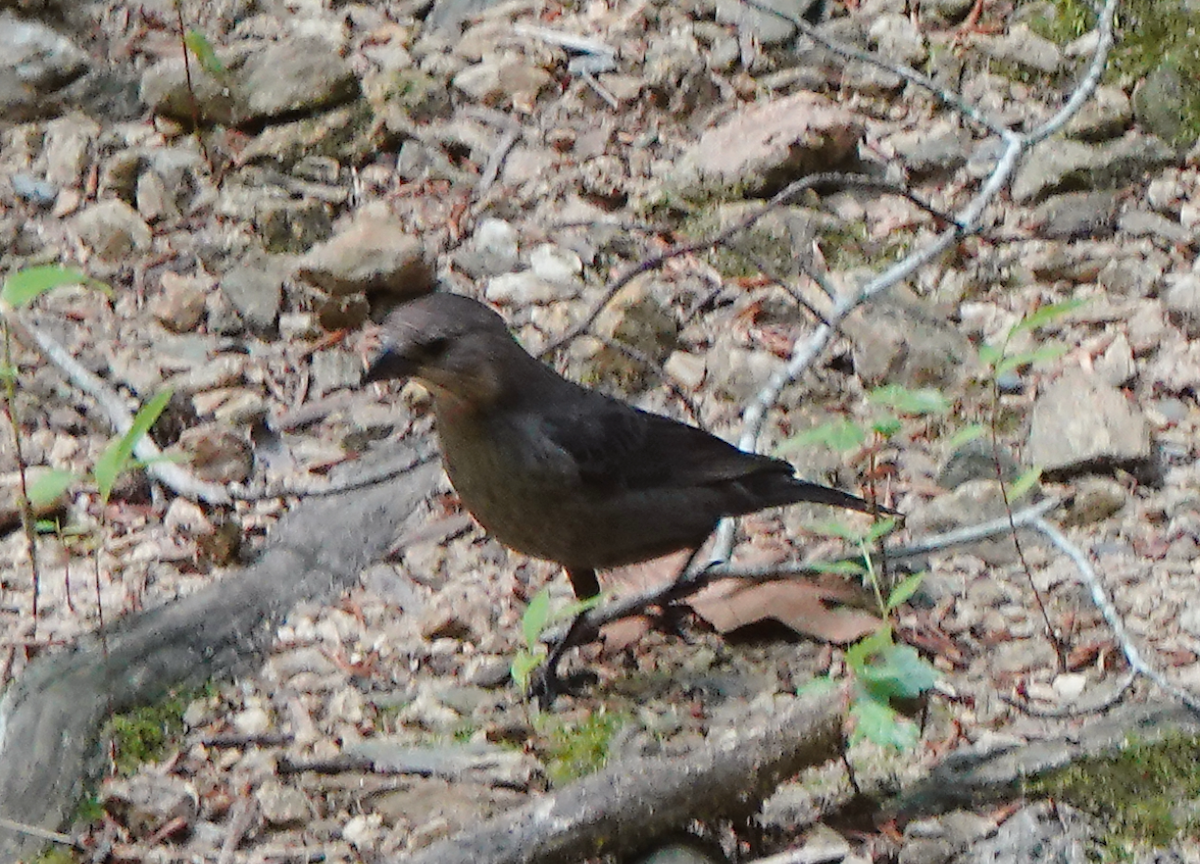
(363, 832)
(1069, 686)
(149, 801)
(217, 455)
(555, 264)
(1095, 499)
(688, 370)
(1079, 421)
(374, 254)
(181, 305)
(256, 292)
(282, 806)
(252, 721)
(112, 229)
(521, 289)
(335, 368)
(1182, 300)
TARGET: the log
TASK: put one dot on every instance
(51, 716)
(624, 807)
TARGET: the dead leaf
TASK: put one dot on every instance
(809, 608)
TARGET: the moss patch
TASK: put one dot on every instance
(1151, 35)
(146, 734)
(575, 749)
(1146, 794)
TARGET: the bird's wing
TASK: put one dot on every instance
(618, 446)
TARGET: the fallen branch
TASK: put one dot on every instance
(627, 805)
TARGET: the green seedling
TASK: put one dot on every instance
(538, 618)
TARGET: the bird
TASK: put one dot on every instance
(564, 473)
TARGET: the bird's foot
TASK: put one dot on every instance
(547, 684)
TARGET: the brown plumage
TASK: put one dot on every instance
(564, 473)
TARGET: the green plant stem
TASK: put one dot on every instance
(27, 522)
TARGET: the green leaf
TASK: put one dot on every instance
(49, 487)
(880, 724)
(537, 614)
(522, 668)
(1019, 487)
(989, 355)
(904, 590)
(839, 568)
(577, 608)
(966, 435)
(1045, 315)
(889, 671)
(25, 286)
(202, 49)
(817, 687)
(1046, 353)
(840, 435)
(916, 403)
(116, 457)
(879, 529)
(886, 427)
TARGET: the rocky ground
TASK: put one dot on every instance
(539, 155)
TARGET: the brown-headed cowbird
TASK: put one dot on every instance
(564, 473)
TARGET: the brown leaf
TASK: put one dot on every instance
(809, 608)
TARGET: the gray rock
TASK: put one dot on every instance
(27, 187)
(1094, 500)
(373, 254)
(945, 12)
(1182, 302)
(898, 40)
(68, 144)
(1080, 423)
(555, 264)
(217, 454)
(335, 368)
(503, 80)
(903, 340)
(929, 152)
(1116, 365)
(1076, 215)
(292, 224)
(521, 289)
(282, 806)
(494, 250)
(180, 306)
(146, 802)
(112, 229)
(1024, 49)
(765, 146)
(1106, 115)
(1162, 100)
(261, 81)
(451, 14)
(971, 503)
(1066, 166)
(35, 64)
(256, 291)
(976, 460)
(1144, 223)
(767, 28)
(685, 851)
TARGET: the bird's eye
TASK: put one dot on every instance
(436, 346)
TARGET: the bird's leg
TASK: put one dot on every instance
(546, 683)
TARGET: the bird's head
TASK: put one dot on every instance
(455, 345)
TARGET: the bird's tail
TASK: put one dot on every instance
(802, 490)
(775, 490)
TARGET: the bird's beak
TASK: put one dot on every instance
(390, 365)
